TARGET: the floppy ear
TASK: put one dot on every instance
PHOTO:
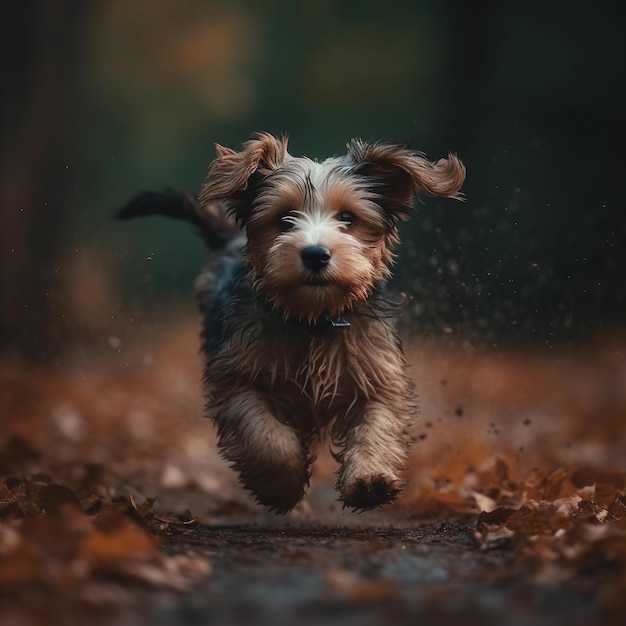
(398, 174)
(234, 176)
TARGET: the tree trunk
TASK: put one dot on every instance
(41, 56)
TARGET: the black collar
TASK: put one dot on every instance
(325, 324)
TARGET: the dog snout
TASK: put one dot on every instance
(315, 258)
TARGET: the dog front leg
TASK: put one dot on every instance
(270, 456)
(375, 454)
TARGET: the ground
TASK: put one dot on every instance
(115, 507)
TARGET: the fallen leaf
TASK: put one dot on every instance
(53, 497)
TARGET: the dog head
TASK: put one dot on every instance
(320, 235)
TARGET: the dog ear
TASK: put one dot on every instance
(398, 175)
(234, 176)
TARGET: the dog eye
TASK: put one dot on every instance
(347, 217)
(286, 222)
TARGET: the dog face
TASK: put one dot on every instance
(320, 235)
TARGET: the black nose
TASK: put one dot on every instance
(315, 258)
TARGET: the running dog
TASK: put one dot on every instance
(300, 334)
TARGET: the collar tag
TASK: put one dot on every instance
(338, 322)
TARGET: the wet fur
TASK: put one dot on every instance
(291, 352)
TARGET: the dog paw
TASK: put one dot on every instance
(364, 494)
(279, 503)
(278, 489)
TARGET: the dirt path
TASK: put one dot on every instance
(340, 575)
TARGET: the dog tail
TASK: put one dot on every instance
(213, 224)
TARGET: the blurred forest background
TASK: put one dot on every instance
(103, 99)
